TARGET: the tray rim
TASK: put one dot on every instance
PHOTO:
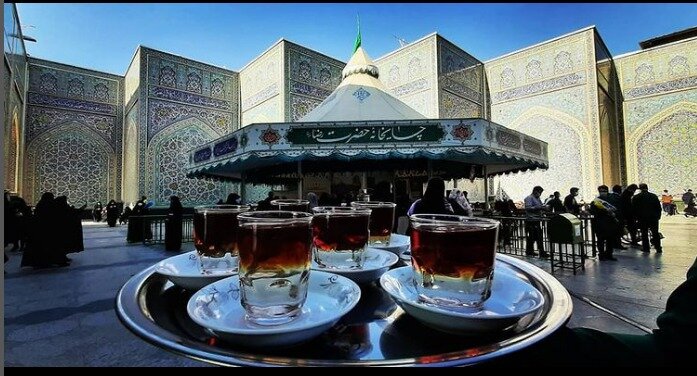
(139, 321)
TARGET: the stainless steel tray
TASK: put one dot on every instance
(375, 333)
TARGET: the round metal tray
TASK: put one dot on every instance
(376, 332)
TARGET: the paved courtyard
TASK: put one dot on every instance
(65, 316)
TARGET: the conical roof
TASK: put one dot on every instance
(361, 96)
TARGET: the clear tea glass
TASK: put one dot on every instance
(381, 220)
(215, 237)
(339, 236)
(275, 259)
(453, 258)
(291, 205)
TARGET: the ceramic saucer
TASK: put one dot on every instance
(398, 244)
(376, 263)
(183, 270)
(218, 308)
(511, 301)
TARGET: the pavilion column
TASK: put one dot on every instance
(300, 180)
(243, 189)
(486, 188)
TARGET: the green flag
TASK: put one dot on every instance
(358, 37)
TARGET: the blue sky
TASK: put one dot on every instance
(105, 36)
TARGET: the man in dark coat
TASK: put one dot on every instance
(570, 203)
(533, 223)
(628, 212)
(605, 223)
(615, 199)
(555, 203)
(647, 209)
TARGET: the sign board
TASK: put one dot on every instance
(379, 134)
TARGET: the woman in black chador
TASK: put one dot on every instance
(97, 212)
(434, 201)
(112, 213)
(45, 248)
(136, 223)
(173, 226)
(123, 218)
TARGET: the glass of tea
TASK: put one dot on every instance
(291, 205)
(215, 237)
(339, 236)
(381, 220)
(275, 260)
(453, 258)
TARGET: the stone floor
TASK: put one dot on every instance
(65, 316)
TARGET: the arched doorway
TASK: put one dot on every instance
(70, 160)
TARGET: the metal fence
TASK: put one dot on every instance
(157, 225)
(512, 240)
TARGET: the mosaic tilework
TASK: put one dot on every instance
(167, 154)
(668, 153)
(11, 152)
(301, 106)
(410, 74)
(564, 150)
(161, 114)
(556, 81)
(177, 98)
(12, 143)
(460, 80)
(70, 161)
(41, 119)
(311, 77)
(130, 157)
(260, 85)
(63, 97)
(543, 68)
(660, 115)
(453, 106)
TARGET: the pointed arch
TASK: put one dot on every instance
(574, 127)
(634, 138)
(167, 156)
(70, 160)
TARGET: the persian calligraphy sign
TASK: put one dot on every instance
(387, 134)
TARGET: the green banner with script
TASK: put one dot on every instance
(378, 134)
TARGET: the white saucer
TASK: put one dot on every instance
(218, 308)
(183, 270)
(398, 244)
(377, 262)
(511, 301)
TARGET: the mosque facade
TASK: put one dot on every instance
(94, 136)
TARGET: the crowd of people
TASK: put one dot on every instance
(45, 235)
(614, 213)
